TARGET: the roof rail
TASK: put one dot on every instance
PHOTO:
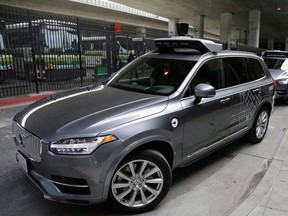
(183, 42)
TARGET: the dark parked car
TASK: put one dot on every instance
(277, 62)
(164, 110)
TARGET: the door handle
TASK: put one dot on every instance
(225, 101)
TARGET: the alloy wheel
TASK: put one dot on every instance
(137, 183)
(261, 125)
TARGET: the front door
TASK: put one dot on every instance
(208, 122)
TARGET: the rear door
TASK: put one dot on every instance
(240, 78)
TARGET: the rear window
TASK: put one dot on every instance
(240, 70)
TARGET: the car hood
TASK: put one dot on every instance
(276, 73)
(87, 112)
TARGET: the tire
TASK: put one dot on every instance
(259, 127)
(140, 182)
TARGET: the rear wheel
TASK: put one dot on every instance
(259, 127)
(141, 182)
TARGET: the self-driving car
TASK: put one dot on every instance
(164, 110)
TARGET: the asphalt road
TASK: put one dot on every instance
(215, 185)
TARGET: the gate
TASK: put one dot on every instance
(47, 52)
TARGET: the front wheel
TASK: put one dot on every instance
(259, 127)
(140, 182)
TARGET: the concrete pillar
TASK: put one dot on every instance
(172, 29)
(245, 37)
(270, 43)
(239, 37)
(141, 32)
(286, 44)
(226, 29)
(254, 28)
(199, 27)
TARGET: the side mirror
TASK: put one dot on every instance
(203, 90)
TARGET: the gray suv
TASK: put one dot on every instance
(162, 111)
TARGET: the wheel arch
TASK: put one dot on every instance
(161, 145)
(250, 136)
(267, 105)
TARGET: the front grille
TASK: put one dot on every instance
(27, 143)
(282, 92)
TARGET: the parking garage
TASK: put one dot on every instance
(241, 179)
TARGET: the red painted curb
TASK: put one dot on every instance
(22, 100)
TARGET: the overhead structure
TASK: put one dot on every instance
(203, 17)
(273, 21)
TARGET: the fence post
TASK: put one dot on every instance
(80, 51)
(114, 49)
(108, 50)
(111, 49)
(32, 41)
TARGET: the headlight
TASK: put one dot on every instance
(283, 81)
(284, 74)
(80, 146)
(283, 78)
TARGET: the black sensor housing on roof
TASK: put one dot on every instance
(198, 45)
(182, 29)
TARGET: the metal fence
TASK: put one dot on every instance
(46, 52)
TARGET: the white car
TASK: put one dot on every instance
(277, 62)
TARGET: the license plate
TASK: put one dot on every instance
(22, 161)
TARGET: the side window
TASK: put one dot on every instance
(209, 73)
(255, 69)
(235, 70)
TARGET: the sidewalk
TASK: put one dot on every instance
(270, 197)
(19, 99)
(234, 189)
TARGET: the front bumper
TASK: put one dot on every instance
(51, 190)
(281, 91)
(71, 179)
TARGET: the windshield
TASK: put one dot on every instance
(274, 63)
(153, 75)
(60, 39)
